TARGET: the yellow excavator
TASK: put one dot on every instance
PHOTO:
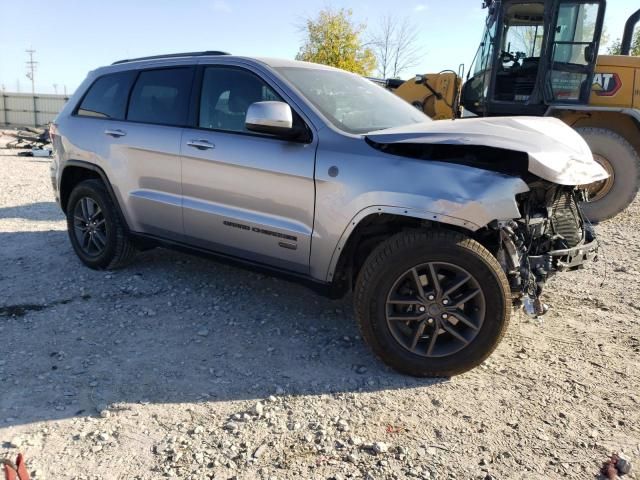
(539, 57)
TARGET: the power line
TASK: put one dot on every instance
(31, 69)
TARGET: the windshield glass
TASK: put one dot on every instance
(352, 103)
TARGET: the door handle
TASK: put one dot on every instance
(115, 133)
(201, 144)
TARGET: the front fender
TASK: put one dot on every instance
(399, 211)
(369, 181)
(494, 200)
(471, 206)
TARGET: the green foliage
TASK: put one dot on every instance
(333, 39)
(616, 48)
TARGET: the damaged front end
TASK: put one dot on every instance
(552, 235)
(551, 158)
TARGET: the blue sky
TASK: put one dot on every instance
(72, 37)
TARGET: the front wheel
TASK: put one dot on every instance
(611, 196)
(432, 304)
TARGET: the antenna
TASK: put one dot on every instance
(31, 69)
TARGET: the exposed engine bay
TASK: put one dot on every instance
(551, 236)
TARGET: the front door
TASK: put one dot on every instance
(245, 194)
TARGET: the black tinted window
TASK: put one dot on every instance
(107, 97)
(161, 96)
(226, 96)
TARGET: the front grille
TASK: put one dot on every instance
(565, 218)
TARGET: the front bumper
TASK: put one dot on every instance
(568, 258)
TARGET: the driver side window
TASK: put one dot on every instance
(226, 96)
(575, 31)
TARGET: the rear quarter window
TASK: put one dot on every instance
(161, 96)
(107, 96)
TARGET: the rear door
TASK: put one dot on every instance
(245, 194)
(145, 150)
(573, 51)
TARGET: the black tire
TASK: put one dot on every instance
(118, 249)
(625, 164)
(403, 252)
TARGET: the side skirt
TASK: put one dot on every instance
(326, 289)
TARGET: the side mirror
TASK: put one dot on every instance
(274, 118)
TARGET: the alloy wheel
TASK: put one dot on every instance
(435, 309)
(89, 227)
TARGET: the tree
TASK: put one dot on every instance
(396, 46)
(616, 47)
(332, 38)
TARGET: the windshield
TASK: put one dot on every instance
(352, 103)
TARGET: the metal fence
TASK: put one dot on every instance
(26, 110)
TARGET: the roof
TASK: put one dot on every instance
(272, 62)
(173, 55)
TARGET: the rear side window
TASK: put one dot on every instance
(107, 96)
(161, 96)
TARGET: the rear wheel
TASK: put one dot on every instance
(96, 231)
(611, 196)
(432, 303)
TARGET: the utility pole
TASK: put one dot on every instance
(55, 88)
(31, 69)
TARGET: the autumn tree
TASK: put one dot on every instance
(332, 38)
(395, 45)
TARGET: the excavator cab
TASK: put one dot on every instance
(534, 54)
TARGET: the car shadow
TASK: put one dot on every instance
(170, 328)
(39, 211)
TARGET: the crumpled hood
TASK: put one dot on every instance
(557, 153)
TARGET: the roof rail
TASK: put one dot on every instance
(172, 55)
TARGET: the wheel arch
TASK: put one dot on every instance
(623, 121)
(372, 225)
(76, 171)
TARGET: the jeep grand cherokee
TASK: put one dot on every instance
(438, 227)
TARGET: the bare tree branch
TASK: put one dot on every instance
(396, 47)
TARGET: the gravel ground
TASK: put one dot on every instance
(186, 368)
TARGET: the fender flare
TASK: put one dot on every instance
(399, 211)
(103, 176)
(633, 113)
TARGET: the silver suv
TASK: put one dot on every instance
(438, 227)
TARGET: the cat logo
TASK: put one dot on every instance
(606, 84)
